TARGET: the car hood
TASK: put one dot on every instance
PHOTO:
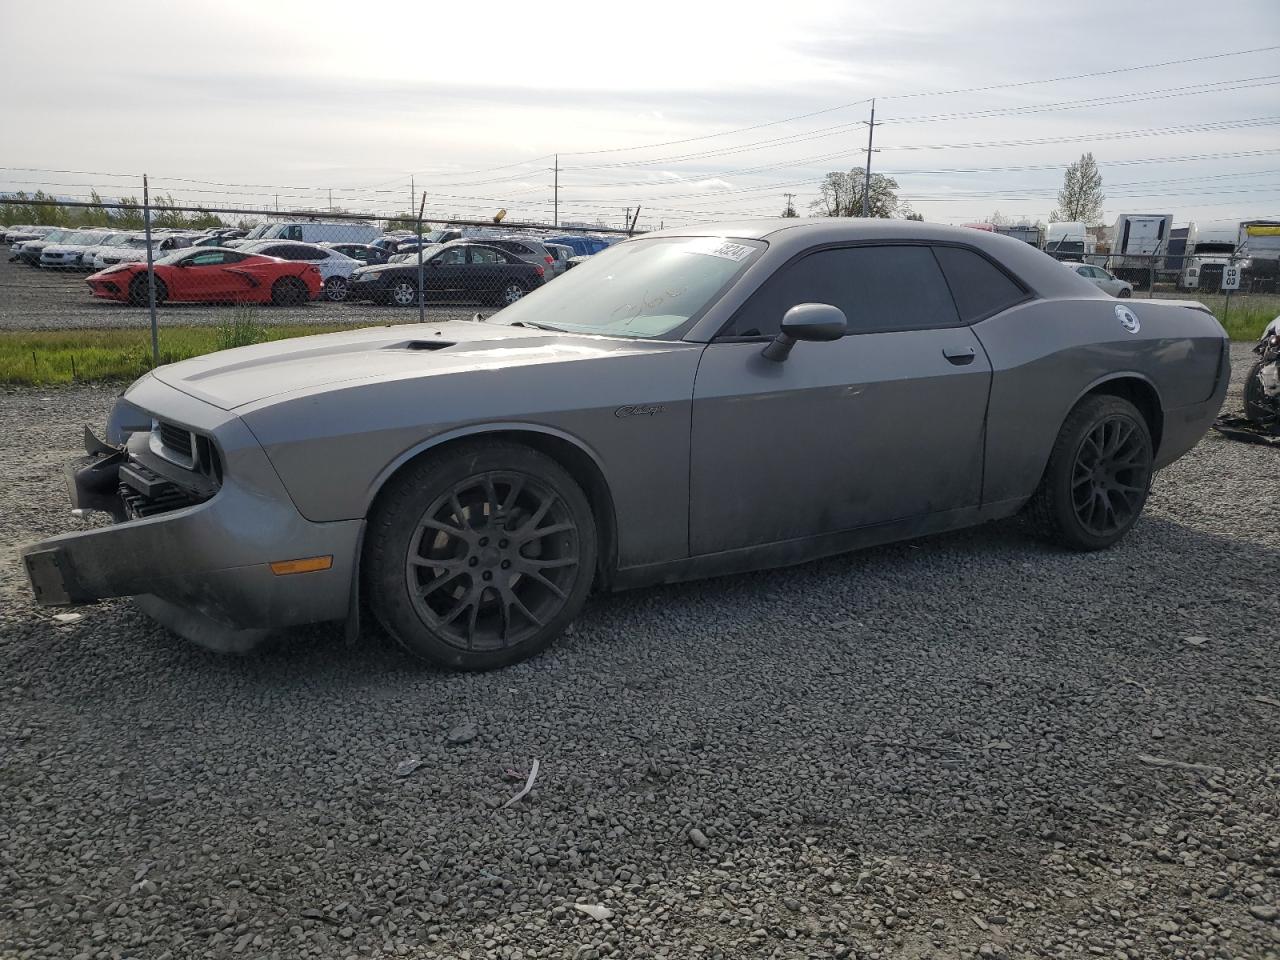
(235, 378)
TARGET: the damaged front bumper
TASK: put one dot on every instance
(195, 547)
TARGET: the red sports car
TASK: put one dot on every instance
(212, 275)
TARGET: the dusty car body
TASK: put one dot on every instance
(679, 424)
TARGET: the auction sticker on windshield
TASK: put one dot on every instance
(719, 247)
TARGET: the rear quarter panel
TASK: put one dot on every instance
(1047, 354)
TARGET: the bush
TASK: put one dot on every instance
(241, 330)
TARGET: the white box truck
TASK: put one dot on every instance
(313, 231)
(1138, 244)
(1209, 247)
(1259, 245)
(1069, 240)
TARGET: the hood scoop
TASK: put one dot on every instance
(435, 344)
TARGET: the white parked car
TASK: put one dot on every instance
(66, 254)
(89, 257)
(335, 268)
(134, 250)
(1102, 279)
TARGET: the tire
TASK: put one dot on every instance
(479, 557)
(1098, 476)
(403, 293)
(289, 292)
(1258, 407)
(1125, 294)
(335, 289)
(508, 293)
(138, 291)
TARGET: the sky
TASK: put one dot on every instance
(692, 111)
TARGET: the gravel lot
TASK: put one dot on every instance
(37, 299)
(933, 749)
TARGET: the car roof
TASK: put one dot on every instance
(792, 235)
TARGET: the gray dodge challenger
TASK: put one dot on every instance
(688, 403)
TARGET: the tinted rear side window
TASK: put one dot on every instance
(878, 288)
(980, 288)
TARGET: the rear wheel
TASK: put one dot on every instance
(1098, 476)
(508, 293)
(403, 293)
(480, 557)
(138, 295)
(335, 289)
(289, 292)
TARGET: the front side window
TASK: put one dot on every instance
(453, 257)
(294, 232)
(879, 289)
(210, 259)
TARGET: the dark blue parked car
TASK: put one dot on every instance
(582, 246)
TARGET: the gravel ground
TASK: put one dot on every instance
(37, 299)
(933, 749)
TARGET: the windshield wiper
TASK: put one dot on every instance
(535, 326)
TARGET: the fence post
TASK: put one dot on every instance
(422, 293)
(151, 273)
(1151, 277)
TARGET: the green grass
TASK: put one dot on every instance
(43, 358)
(79, 356)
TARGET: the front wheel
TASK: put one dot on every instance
(404, 293)
(481, 556)
(139, 295)
(1098, 476)
(335, 289)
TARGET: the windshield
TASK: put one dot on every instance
(53, 236)
(257, 231)
(174, 256)
(436, 236)
(644, 288)
(83, 238)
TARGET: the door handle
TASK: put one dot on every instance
(960, 356)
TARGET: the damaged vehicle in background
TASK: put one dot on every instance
(685, 404)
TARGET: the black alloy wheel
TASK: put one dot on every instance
(1111, 476)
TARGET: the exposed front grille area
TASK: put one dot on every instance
(176, 439)
(1211, 276)
(145, 493)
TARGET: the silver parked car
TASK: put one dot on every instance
(1104, 280)
(685, 404)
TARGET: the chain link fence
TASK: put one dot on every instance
(167, 256)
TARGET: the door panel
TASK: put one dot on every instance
(871, 428)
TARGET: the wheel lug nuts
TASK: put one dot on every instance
(502, 544)
(488, 575)
(506, 564)
(472, 562)
(484, 541)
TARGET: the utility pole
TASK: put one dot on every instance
(866, 184)
(331, 199)
(413, 194)
(151, 273)
(555, 203)
(789, 209)
(627, 219)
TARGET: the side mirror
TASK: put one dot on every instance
(806, 321)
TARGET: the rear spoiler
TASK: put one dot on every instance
(1189, 304)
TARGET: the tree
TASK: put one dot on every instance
(998, 219)
(790, 209)
(1081, 196)
(840, 195)
(912, 215)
